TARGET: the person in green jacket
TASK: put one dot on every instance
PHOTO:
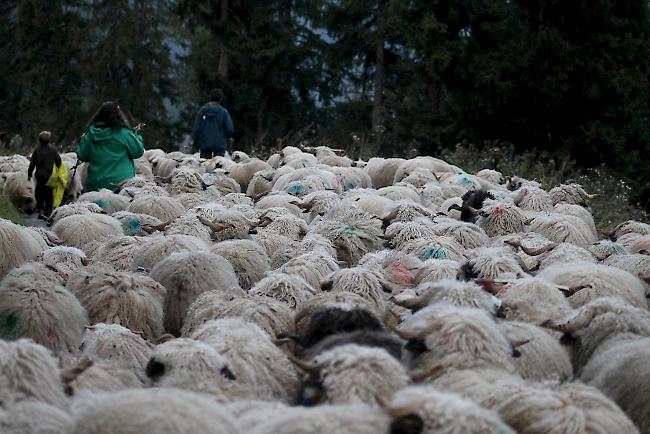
(109, 146)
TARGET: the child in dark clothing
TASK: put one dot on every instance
(43, 160)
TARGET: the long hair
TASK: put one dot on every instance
(111, 114)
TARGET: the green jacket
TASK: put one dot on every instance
(109, 153)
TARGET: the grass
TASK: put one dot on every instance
(8, 211)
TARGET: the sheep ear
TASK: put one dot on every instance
(226, 372)
(326, 285)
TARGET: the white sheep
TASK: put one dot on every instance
(106, 199)
(273, 316)
(286, 288)
(155, 249)
(162, 207)
(17, 246)
(252, 357)
(30, 373)
(116, 345)
(63, 259)
(80, 230)
(248, 259)
(163, 411)
(186, 275)
(590, 281)
(130, 299)
(34, 304)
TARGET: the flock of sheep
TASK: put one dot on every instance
(314, 294)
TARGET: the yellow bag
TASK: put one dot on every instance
(58, 182)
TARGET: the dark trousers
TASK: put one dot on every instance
(209, 153)
(44, 197)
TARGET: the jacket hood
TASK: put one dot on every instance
(211, 109)
(99, 132)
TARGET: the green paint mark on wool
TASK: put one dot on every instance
(345, 229)
(10, 322)
(433, 253)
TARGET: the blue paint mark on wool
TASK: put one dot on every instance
(466, 180)
(297, 189)
(134, 226)
(433, 253)
(103, 203)
(350, 185)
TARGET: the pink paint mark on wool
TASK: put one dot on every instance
(51, 333)
(402, 275)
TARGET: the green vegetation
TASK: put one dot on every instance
(9, 212)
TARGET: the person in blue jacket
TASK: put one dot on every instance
(213, 127)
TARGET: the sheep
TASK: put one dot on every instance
(405, 211)
(449, 207)
(352, 231)
(118, 252)
(435, 165)
(382, 171)
(563, 229)
(118, 346)
(287, 225)
(327, 156)
(73, 209)
(280, 249)
(323, 419)
(590, 281)
(286, 288)
(312, 242)
(399, 270)
(258, 363)
(631, 227)
(34, 417)
(135, 224)
(226, 224)
(30, 373)
(156, 249)
(466, 353)
(13, 163)
(400, 192)
(185, 180)
(532, 300)
(420, 177)
(435, 248)
(577, 211)
(132, 300)
(43, 235)
(86, 376)
(261, 183)
(636, 264)
(432, 196)
(542, 357)
(63, 259)
(143, 168)
(244, 171)
(427, 410)
(80, 230)
(369, 201)
(219, 180)
(490, 263)
(362, 281)
(195, 366)
(17, 246)
(312, 266)
(248, 259)
(185, 275)
(599, 326)
(500, 218)
(273, 316)
(515, 183)
(532, 198)
(569, 408)
(604, 248)
(19, 190)
(621, 373)
(34, 304)
(165, 411)
(352, 374)
(437, 269)
(458, 293)
(162, 207)
(570, 193)
(470, 236)
(106, 199)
